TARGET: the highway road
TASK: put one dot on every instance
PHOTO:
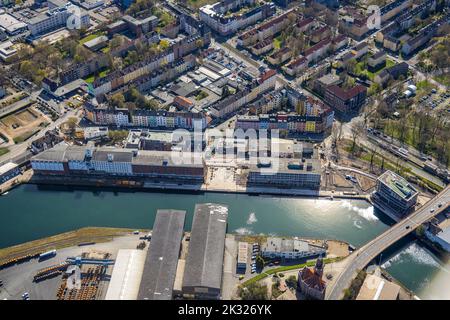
(360, 258)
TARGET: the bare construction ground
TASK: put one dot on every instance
(23, 123)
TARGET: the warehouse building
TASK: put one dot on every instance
(8, 171)
(161, 262)
(203, 272)
(86, 161)
(126, 275)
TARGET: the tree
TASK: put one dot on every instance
(260, 262)
(254, 291)
(356, 129)
(118, 100)
(291, 282)
(420, 231)
(164, 44)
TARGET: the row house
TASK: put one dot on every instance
(320, 34)
(305, 25)
(265, 30)
(265, 82)
(218, 20)
(394, 8)
(317, 51)
(139, 69)
(295, 66)
(280, 56)
(102, 115)
(262, 47)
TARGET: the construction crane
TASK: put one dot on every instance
(79, 261)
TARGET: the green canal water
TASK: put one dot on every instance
(30, 212)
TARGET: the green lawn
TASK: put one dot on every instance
(286, 268)
(371, 75)
(444, 79)
(91, 37)
(24, 136)
(102, 74)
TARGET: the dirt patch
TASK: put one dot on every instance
(22, 124)
(365, 183)
(337, 249)
(341, 182)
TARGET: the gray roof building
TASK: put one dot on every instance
(203, 272)
(161, 262)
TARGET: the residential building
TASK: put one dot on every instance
(280, 56)
(104, 115)
(265, 30)
(204, 264)
(295, 66)
(217, 18)
(394, 72)
(360, 50)
(345, 101)
(376, 61)
(393, 9)
(266, 81)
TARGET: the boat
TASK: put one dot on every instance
(4, 194)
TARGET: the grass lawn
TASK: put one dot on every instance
(3, 151)
(91, 37)
(286, 268)
(371, 75)
(24, 136)
(201, 95)
(102, 74)
(444, 79)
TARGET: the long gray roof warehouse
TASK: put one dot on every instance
(203, 271)
(161, 262)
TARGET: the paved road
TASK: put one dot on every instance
(360, 258)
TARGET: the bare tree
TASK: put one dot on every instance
(356, 130)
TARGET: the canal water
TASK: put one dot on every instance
(30, 212)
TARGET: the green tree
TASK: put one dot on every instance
(254, 291)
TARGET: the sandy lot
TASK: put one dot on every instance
(22, 123)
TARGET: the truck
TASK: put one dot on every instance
(47, 255)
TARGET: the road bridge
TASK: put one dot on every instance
(361, 257)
